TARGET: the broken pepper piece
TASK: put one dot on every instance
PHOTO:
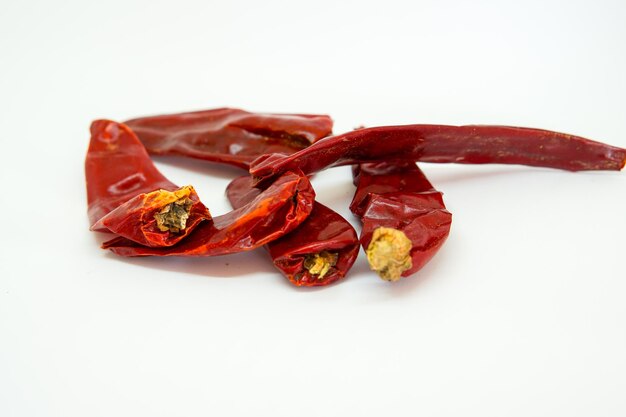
(405, 221)
(268, 216)
(230, 136)
(128, 196)
(319, 252)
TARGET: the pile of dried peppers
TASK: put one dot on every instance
(404, 219)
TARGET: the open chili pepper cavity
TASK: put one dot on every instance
(473, 144)
(271, 214)
(128, 196)
(319, 252)
(230, 136)
(405, 221)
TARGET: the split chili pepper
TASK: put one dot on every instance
(319, 252)
(439, 143)
(230, 136)
(405, 221)
(271, 214)
(127, 195)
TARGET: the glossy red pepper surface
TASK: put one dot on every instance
(405, 221)
(230, 136)
(273, 213)
(125, 191)
(319, 252)
(472, 144)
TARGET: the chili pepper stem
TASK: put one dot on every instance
(389, 253)
(320, 263)
(173, 217)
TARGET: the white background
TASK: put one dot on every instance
(522, 313)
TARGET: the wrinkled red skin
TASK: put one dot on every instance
(399, 196)
(323, 230)
(229, 136)
(117, 168)
(135, 220)
(273, 213)
(473, 144)
(119, 174)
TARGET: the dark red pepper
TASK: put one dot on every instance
(405, 221)
(271, 214)
(128, 196)
(230, 136)
(438, 143)
(319, 252)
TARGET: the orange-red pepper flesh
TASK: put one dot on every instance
(395, 201)
(271, 214)
(319, 252)
(125, 191)
(473, 144)
(230, 136)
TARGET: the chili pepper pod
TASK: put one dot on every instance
(128, 196)
(405, 221)
(271, 214)
(319, 252)
(230, 136)
(158, 218)
(473, 144)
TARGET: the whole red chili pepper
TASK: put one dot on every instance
(438, 143)
(405, 221)
(128, 196)
(271, 214)
(319, 252)
(230, 136)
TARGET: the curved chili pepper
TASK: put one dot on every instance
(230, 136)
(319, 252)
(438, 143)
(405, 221)
(128, 196)
(270, 215)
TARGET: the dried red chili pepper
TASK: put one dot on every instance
(270, 215)
(438, 143)
(319, 252)
(405, 221)
(230, 136)
(128, 196)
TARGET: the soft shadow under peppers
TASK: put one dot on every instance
(319, 252)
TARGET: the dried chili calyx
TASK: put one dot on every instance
(128, 196)
(231, 136)
(405, 221)
(158, 218)
(389, 253)
(320, 263)
(173, 217)
(446, 144)
(268, 216)
(318, 252)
